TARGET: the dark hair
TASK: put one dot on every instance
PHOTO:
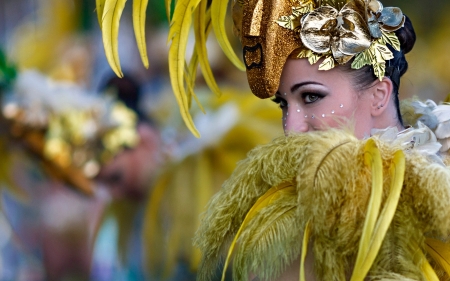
(395, 68)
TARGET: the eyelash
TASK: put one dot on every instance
(308, 94)
(282, 103)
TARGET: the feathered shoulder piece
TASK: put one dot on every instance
(361, 205)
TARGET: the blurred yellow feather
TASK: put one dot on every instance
(178, 33)
(202, 26)
(100, 5)
(167, 4)
(218, 13)
(139, 15)
(440, 252)
(110, 32)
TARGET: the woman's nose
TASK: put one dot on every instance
(296, 121)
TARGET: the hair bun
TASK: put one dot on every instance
(407, 36)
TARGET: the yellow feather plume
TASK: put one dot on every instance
(372, 159)
(304, 250)
(440, 252)
(167, 4)
(271, 195)
(110, 32)
(202, 26)
(397, 171)
(139, 15)
(218, 13)
(100, 5)
(178, 33)
(425, 267)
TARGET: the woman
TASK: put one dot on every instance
(369, 201)
(326, 205)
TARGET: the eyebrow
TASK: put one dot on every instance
(299, 85)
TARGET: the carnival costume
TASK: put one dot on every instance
(376, 208)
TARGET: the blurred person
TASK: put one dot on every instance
(127, 179)
(128, 175)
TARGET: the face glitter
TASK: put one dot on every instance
(323, 115)
(341, 106)
(298, 110)
(313, 116)
(306, 116)
(332, 112)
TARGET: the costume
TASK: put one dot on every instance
(328, 186)
(374, 208)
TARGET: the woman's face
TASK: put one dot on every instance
(313, 99)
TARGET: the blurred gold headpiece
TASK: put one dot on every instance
(335, 30)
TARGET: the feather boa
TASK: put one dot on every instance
(332, 190)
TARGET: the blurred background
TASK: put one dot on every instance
(79, 214)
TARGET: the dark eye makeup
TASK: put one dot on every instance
(309, 97)
(280, 101)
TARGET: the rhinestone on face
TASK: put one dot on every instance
(313, 116)
(306, 116)
(287, 113)
(323, 115)
(284, 93)
(332, 112)
(298, 110)
(341, 106)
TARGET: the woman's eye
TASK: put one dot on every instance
(281, 102)
(310, 98)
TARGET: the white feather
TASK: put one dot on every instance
(442, 112)
(443, 130)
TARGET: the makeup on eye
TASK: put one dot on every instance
(311, 97)
(280, 101)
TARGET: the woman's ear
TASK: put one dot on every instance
(381, 96)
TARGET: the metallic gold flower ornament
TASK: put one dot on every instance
(344, 32)
(338, 32)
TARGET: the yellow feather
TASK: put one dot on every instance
(397, 170)
(202, 26)
(151, 230)
(139, 14)
(100, 5)
(427, 270)
(189, 77)
(263, 201)
(178, 33)
(372, 159)
(440, 252)
(218, 13)
(167, 4)
(110, 32)
(304, 250)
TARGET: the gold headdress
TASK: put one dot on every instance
(334, 30)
